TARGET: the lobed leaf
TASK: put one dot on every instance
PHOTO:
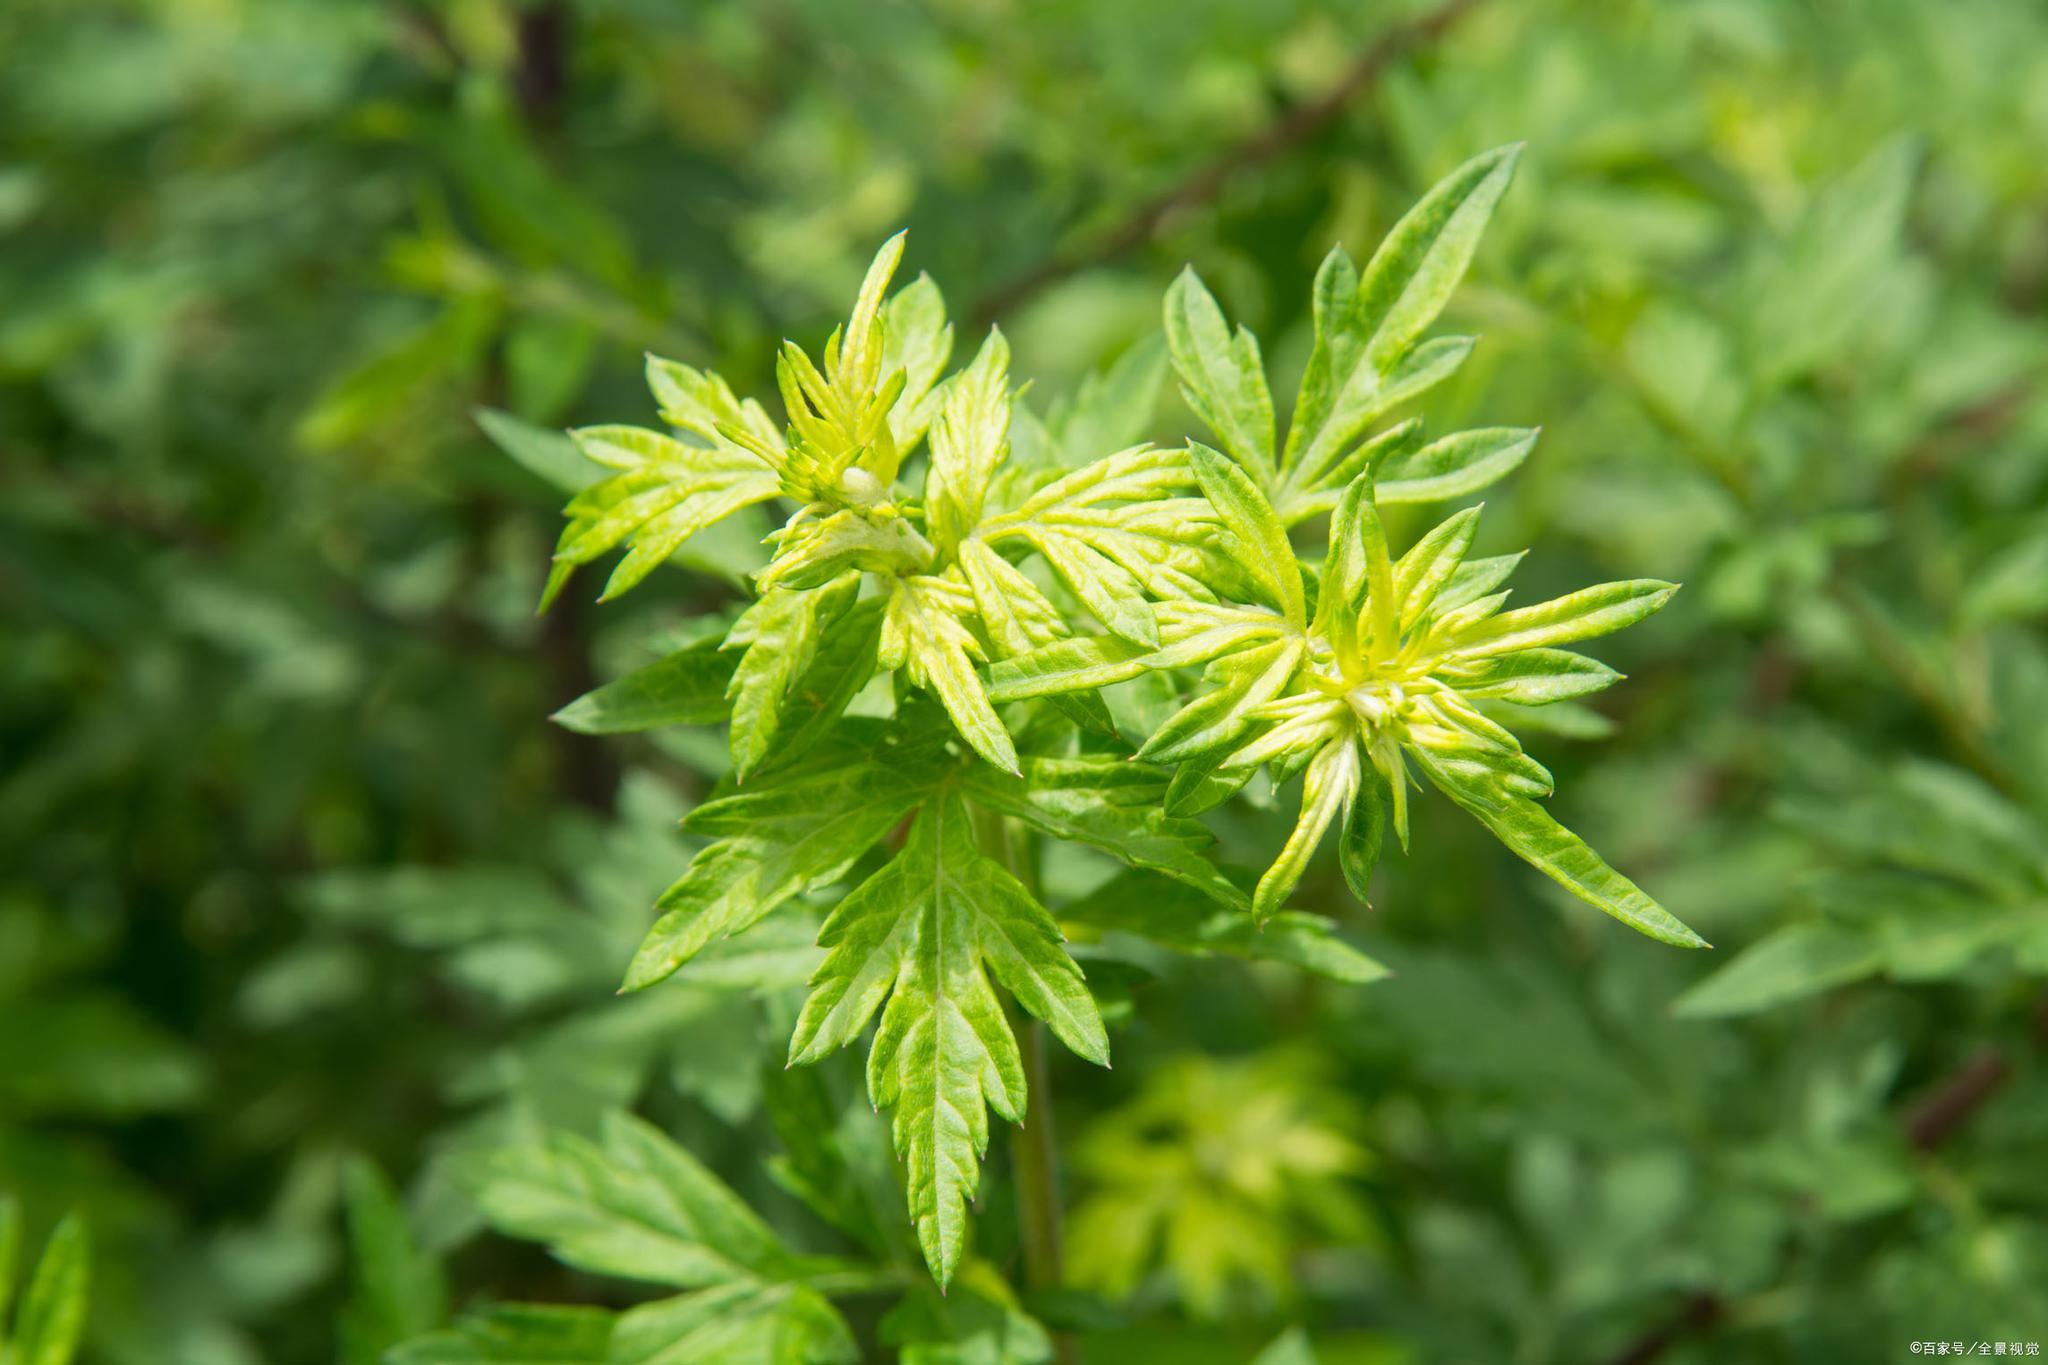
(741, 1324)
(780, 635)
(1221, 375)
(515, 1334)
(1245, 681)
(1110, 804)
(1456, 465)
(1411, 277)
(922, 634)
(703, 404)
(917, 340)
(1431, 563)
(968, 441)
(1787, 964)
(798, 830)
(925, 933)
(1249, 518)
(634, 1204)
(686, 688)
(399, 1291)
(1175, 916)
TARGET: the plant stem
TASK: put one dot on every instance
(1034, 1146)
(1034, 1153)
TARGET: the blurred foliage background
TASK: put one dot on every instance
(298, 884)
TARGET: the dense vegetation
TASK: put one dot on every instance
(311, 923)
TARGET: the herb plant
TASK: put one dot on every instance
(299, 890)
(983, 603)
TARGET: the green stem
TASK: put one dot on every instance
(1034, 1155)
(1034, 1146)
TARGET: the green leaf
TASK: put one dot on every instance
(515, 1334)
(1291, 1347)
(634, 1205)
(1111, 593)
(1829, 283)
(1581, 615)
(922, 634)
(1412, 275)
(741, 1324)
(1931, 818)
(1082, 663)
(1245, 681)
(1202, 784)
(780, 634)
(1790, 963)
(1221, 375)
(666, 492)
(977, 1322)
(686, 688)
(1326, 792)
(968, 442)
(703, 404)
(1107, 803)
(549, 454)
(52, 1318)
(860, 348)
(1358, 843)
(1382, 619)
(916, 339)
(1529, 677)
(10, 1252)
(1017, 616)
(1176, 916)
(398, 1291)
(1268, 557)
(1113, 408)
(1455, 466)
(1316, 434)
(1475, 580)
(797, 830)
(2011, 586)
(1430, 564)
(1530, 833)
(925, 933)
(1119, 528)
(845, 660)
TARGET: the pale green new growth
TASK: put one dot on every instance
(1388, 671)
(1366, 362)
(1398, 652)
(1116, 534)
(942, 533)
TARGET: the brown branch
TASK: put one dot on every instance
(1696, 1315)
(542, 77)
(1968, 1089)
(589, 772)
(1294, 126)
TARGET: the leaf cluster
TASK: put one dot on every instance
(1040, 585)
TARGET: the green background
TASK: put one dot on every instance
(293, 868)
